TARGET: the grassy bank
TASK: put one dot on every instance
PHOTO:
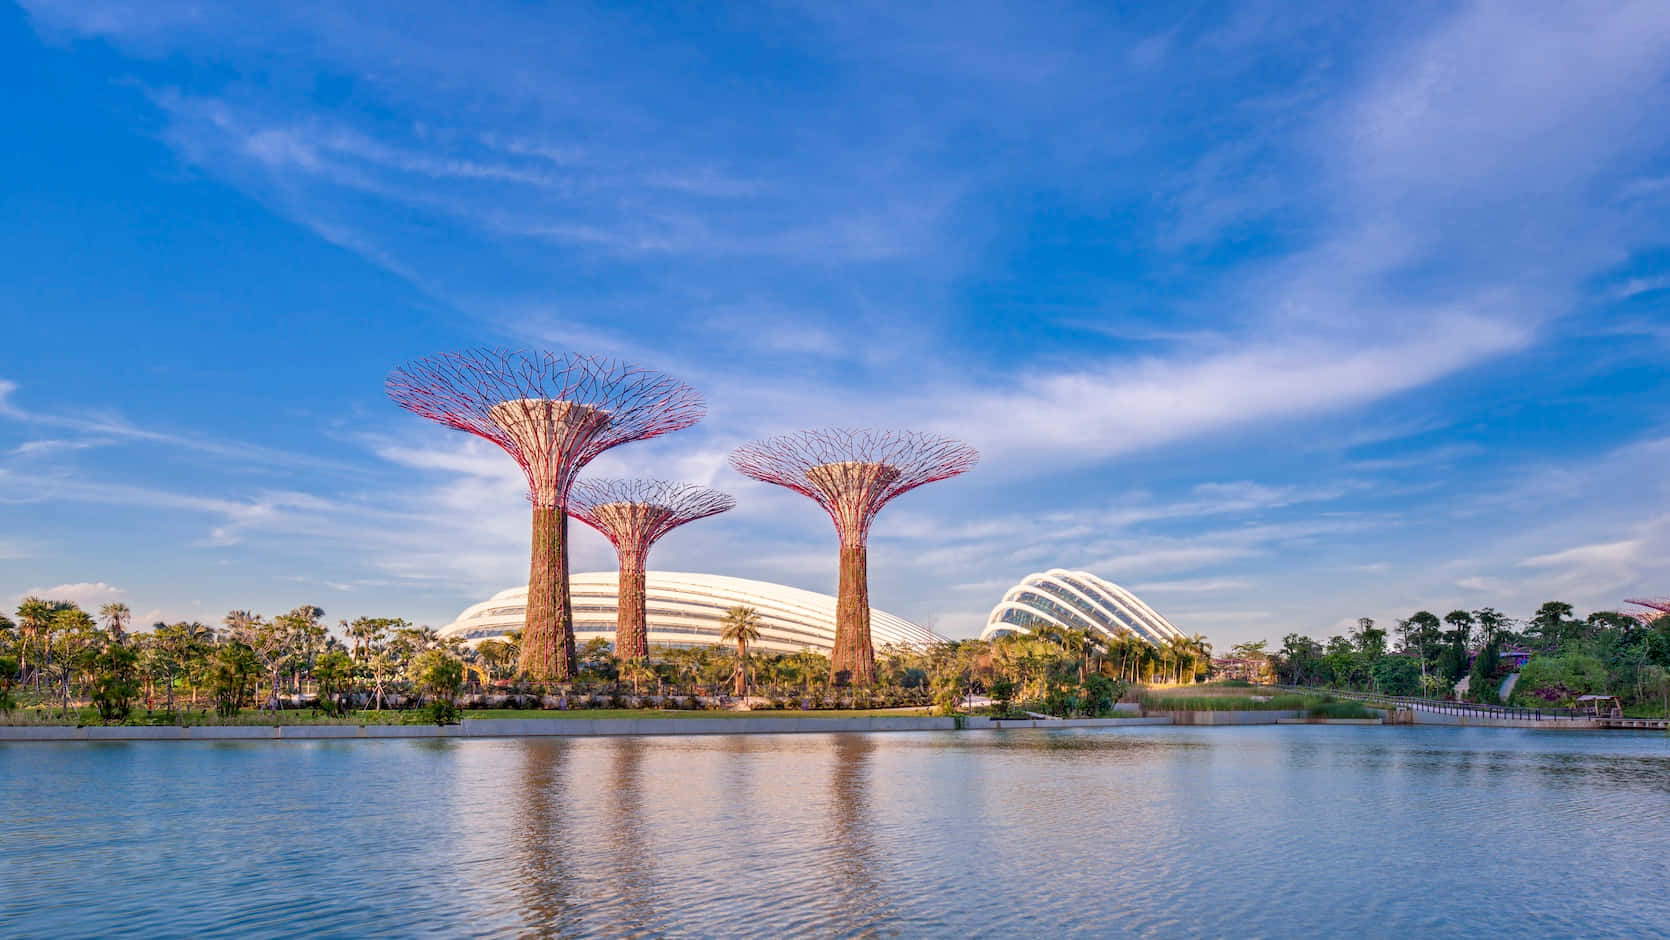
(1236, 699)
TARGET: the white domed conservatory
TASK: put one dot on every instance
(1080, 600)
(685, 609)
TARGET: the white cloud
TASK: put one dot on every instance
(1125, 407)
(1605, 553)
(89, 595)
(1194, 586)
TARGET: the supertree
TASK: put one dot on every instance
(552, 412)
(633, 515)
(852, 474)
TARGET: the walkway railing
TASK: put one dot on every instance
(1444, 707)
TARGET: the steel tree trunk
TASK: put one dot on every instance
(631, 622)
(853, 661)
(548, 634)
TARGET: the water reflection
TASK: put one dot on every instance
(542, 873)
(1144, 831)
(857, 891)
(630, 860)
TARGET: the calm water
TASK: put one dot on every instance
(1145, 831)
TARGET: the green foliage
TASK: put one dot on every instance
(442, 712)
(230, 676)
(1099, 696)
(333, 670)
(1002, 692)
(113, 688)
(1484, 678)
(1396, 675)
(1165, 702)
(1558, 679)
(438, 673)
(1328, 709)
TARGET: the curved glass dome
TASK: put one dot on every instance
(685, 609)
(1080, 600)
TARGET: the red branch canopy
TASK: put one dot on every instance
(552, 412)
(852, 473)
(633, 514)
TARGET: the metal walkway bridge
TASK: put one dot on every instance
(1556, 717)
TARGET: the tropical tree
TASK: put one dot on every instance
(115, 616)
(170, 650)
(71, 639)
(333, 671)
(34, 622)
(1421, 634)
(1200, 657)
(1553, 626)
(740, 625)
(114, 686)
(438, 673)
(637, 672)
(499, 656)
(230, 674)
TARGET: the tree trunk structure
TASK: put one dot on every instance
(852, 474)
(548, 633)
(631, 621)
(632, 515)
(554, 413)
(853, 661)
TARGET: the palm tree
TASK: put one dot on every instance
(34, 618)
(741, 625)
(1200, 648)
(116, 617)
(636, 671)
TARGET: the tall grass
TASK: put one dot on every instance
(1316, 706)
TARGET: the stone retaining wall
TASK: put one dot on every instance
(980, 722)
(1421, 716)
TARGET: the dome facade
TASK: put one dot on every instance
(686, 609)
(1080, 600)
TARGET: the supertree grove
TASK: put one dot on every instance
(553, 413)
(852, 474)
(633, 515)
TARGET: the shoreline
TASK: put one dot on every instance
(549, 727)
(488, 728)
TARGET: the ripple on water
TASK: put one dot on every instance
(1138, 831)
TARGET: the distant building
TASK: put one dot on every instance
(1251, 669)
(685, 609)
(1080, 600)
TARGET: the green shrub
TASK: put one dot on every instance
(441, 711)
(1340, 710)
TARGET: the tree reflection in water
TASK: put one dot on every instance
(543, 879)
(630, 859)
(856, 886)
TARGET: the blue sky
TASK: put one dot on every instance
(1280, 317)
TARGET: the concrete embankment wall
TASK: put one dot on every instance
(555, 727)
(1421, 716)
(223, 732)
(528, 727)
(978, 722)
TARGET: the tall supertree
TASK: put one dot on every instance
(552, 412)
(633, 515)
(852, 474)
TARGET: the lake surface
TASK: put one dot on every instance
(1257, 831)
